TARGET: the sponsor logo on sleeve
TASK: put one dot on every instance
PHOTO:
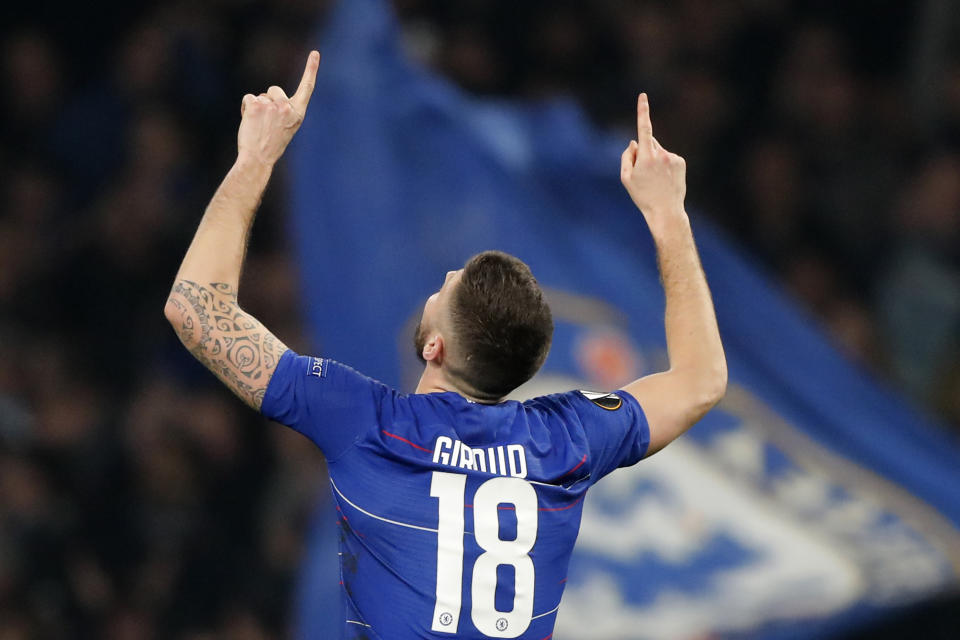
(317, 368)
(604, 400)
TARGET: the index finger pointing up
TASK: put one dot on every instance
(644, 127)
(301, 98)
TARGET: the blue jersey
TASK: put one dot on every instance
(457, 519)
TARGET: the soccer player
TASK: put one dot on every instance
(458, 509)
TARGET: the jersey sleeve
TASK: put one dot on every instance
(328, 402)
(615, 428)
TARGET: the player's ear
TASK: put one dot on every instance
(433, 349)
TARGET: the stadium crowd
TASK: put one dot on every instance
(139, 500)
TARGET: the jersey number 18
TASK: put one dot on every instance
(449, 489)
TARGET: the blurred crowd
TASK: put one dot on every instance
(139, 500)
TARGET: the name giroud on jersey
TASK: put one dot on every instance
(504, 460)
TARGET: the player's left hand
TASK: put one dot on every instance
(655, 178)
(270, 120)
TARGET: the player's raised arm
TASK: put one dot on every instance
(202, 306)
(697, 378)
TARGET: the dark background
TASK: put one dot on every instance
(139, 500)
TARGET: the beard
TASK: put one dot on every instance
(420, 341)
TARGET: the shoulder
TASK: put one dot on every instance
(612, 424)
(328, 372)
(327, 401)
(305, 386)
(580, 402)
(596, 414)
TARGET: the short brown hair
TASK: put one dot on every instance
(501, 323)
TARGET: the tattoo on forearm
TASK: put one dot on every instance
(227, 340)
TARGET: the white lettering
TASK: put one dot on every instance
(466, 457)
(439, 453)
(479, 462)
(501, 460)
(518, 460)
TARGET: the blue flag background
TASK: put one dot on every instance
(809, 501)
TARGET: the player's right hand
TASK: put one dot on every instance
(269, 121)
(655, 178)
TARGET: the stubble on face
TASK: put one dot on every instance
(420, 341)
(422, 333)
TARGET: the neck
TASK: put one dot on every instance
(434, 380)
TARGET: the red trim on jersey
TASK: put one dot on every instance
(393, 435)
(579, 464)
(569, 506)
